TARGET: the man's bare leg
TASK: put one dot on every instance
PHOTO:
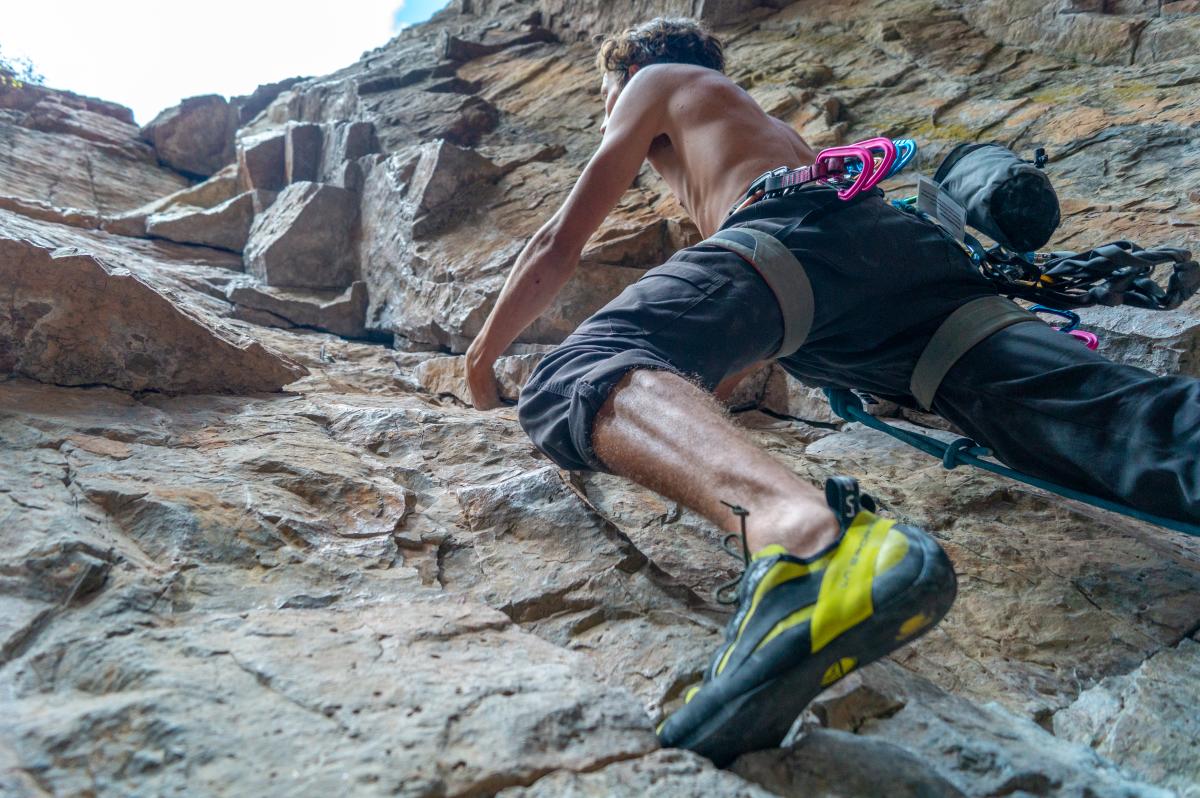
(663, 432)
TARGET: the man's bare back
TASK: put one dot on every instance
(715, 139)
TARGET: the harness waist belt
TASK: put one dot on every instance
(961, 330)
(782, 272)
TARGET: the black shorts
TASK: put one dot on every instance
(882, 281)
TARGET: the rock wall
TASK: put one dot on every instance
(359, 584)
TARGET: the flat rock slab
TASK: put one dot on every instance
(209, 194)
(431, 698)
(73, 319)
(225, 226)
(667, 774)
(66, 170)
(339, 312)
(1147, 721)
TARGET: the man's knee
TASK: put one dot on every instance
(553, 404)
(559, 404)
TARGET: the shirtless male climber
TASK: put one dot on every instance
(830, 586)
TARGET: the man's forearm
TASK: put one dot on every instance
(541, 270)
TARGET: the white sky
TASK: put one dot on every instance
(150, 55)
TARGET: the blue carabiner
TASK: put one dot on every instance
(1072, 318)
(975, 249)
(906, 150)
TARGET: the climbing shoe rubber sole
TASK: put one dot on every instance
(761, 717)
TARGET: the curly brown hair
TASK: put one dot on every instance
(665, 40)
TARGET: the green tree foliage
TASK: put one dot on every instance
(16, 72)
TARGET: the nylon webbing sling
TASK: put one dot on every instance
(961, 330)
(781, 272)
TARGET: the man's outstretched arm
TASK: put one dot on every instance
(551, 256)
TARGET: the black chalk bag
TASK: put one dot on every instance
(1006, 198)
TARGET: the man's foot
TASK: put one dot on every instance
(803, 624)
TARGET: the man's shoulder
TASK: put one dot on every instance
(661, 79)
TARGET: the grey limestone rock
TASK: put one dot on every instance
(73, 319)
(224, 226)
(261, 161)
(362, 586)
(304, 239)
(196, 136)
(1145, 720)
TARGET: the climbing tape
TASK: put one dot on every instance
(965, 451)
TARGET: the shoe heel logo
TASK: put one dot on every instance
(913, 625)
(837, 670)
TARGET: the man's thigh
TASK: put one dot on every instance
(702, 315)
(706, 316)
(1052, 408)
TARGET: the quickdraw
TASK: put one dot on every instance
(1119, 273)
(906, 150)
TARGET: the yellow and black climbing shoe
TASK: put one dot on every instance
(802, 624)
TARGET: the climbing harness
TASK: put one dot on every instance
(851, 169)
(962, 330)
(1011, 201)
(870, 161)
(849, 406)
(782, 273)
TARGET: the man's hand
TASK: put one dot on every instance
(481, 381)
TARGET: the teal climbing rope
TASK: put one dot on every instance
(965, 451)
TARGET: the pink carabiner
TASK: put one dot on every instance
(889, 158)
(850, 151)
(1089, 339)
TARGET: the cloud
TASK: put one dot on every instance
(149, 55)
